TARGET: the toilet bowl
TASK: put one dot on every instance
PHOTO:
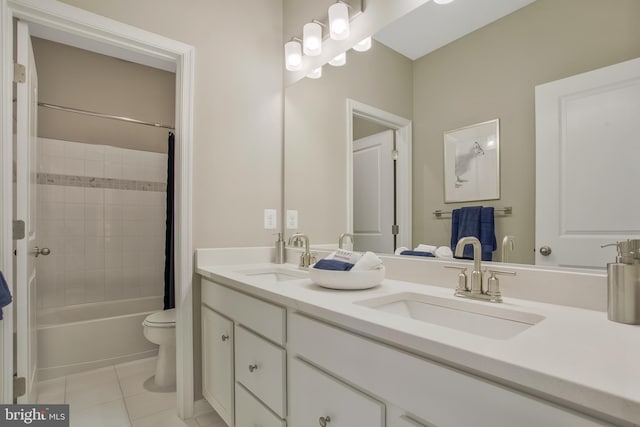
(160, 328)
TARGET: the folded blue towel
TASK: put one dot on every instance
(475, 221)
(333, 264)
(418, 253)
(5, 294)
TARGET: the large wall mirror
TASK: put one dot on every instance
(488, 73)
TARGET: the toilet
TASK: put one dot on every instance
(160, 328)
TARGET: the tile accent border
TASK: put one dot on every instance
(95, 182)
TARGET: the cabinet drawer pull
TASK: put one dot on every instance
(225, 337)
(324, 421)
(253, 367)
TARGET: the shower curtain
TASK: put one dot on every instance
(169, 274)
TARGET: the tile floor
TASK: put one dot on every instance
(115, 397)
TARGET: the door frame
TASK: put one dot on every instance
(83, 24)
(403, 130)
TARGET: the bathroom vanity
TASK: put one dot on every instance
(278, 350)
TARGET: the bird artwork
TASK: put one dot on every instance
(463, 162)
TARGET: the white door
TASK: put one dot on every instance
(26, 170)
(373, 193)
(587, 152)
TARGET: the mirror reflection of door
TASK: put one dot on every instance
(374, 187)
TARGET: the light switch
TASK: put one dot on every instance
(270, 220)
(292, 219)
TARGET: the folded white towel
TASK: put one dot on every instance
(444, 252)
(368, 261)
(400, 250)
(425, 248)
(345, 256)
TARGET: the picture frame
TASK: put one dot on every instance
(472, 163)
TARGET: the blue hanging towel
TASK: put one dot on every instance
(5, 294)
(478, 222)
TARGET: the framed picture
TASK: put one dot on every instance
(472, 163)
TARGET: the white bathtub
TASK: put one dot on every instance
(89, 336)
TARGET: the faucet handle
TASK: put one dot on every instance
(462, 278)
(493, 285)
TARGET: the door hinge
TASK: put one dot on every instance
(19, 387)
(394, 154)
(19, 73)
(395, 229)
(18, 229)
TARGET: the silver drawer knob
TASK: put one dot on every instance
(324, 421)
(225, 337)
(545, 251)
(253, 367)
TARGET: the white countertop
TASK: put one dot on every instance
(574, 356)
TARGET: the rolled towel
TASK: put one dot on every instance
(418, 253)
(333, 264)
(444, 252)
(368, 261)
(400, 250)
(344, 255)
(425, 248)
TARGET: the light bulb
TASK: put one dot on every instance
(293, 55)
(363, 45)
(312, 39)
(339, 60)
(339, 21)
(315, 74)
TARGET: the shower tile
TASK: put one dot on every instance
(94, 195)
(73, 211)
(114, 211)
(113, 170)
(74, 166)
(73, 194)
(94, 228)
(73, 150)
(51, 147)
(94, 168)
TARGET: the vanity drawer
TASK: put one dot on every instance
(431, 391)
(315, 396)
(262, 317)
(261, 367)
(251, 413)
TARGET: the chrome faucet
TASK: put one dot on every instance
(510, 243)
(306, 259)
(341, 239)
(477, 290)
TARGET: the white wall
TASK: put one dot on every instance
(102, 211)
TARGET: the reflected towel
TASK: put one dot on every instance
(400, 250)
(425, 248)
(487, 233)
(444, 252)
(5, 294)
(418, 253)
(368, 261)
(333, 264)
(475, 221)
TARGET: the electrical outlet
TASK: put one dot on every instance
(270, 220)
(292, 219)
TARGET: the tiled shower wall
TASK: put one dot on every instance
(101, 211)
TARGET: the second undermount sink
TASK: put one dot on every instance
(484, 319)
(275, 274)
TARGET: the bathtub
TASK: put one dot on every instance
(89, 336)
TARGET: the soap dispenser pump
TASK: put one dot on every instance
(280, 250)
(623, 283)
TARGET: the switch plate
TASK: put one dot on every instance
(292, 219)
(270, 220)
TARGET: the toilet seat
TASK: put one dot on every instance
(161, 319)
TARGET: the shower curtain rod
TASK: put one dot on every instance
(104, 116)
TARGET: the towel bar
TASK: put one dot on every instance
(507, 210)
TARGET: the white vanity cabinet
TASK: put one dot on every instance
(439, 395)
(253, 358)
(318, 399)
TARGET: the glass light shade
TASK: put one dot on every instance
(442, 1)
(293, 55)
(315, 74)
(312, 39)
(339, 60)
(338, 21)
(363, 45)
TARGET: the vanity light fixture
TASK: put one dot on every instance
(363, 45)
(293, 55)
(339, 60)
(312, 38)
(339, 21)
(442, 1)
(315, 74)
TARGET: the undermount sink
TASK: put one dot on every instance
(275, 274)
(484, 319)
